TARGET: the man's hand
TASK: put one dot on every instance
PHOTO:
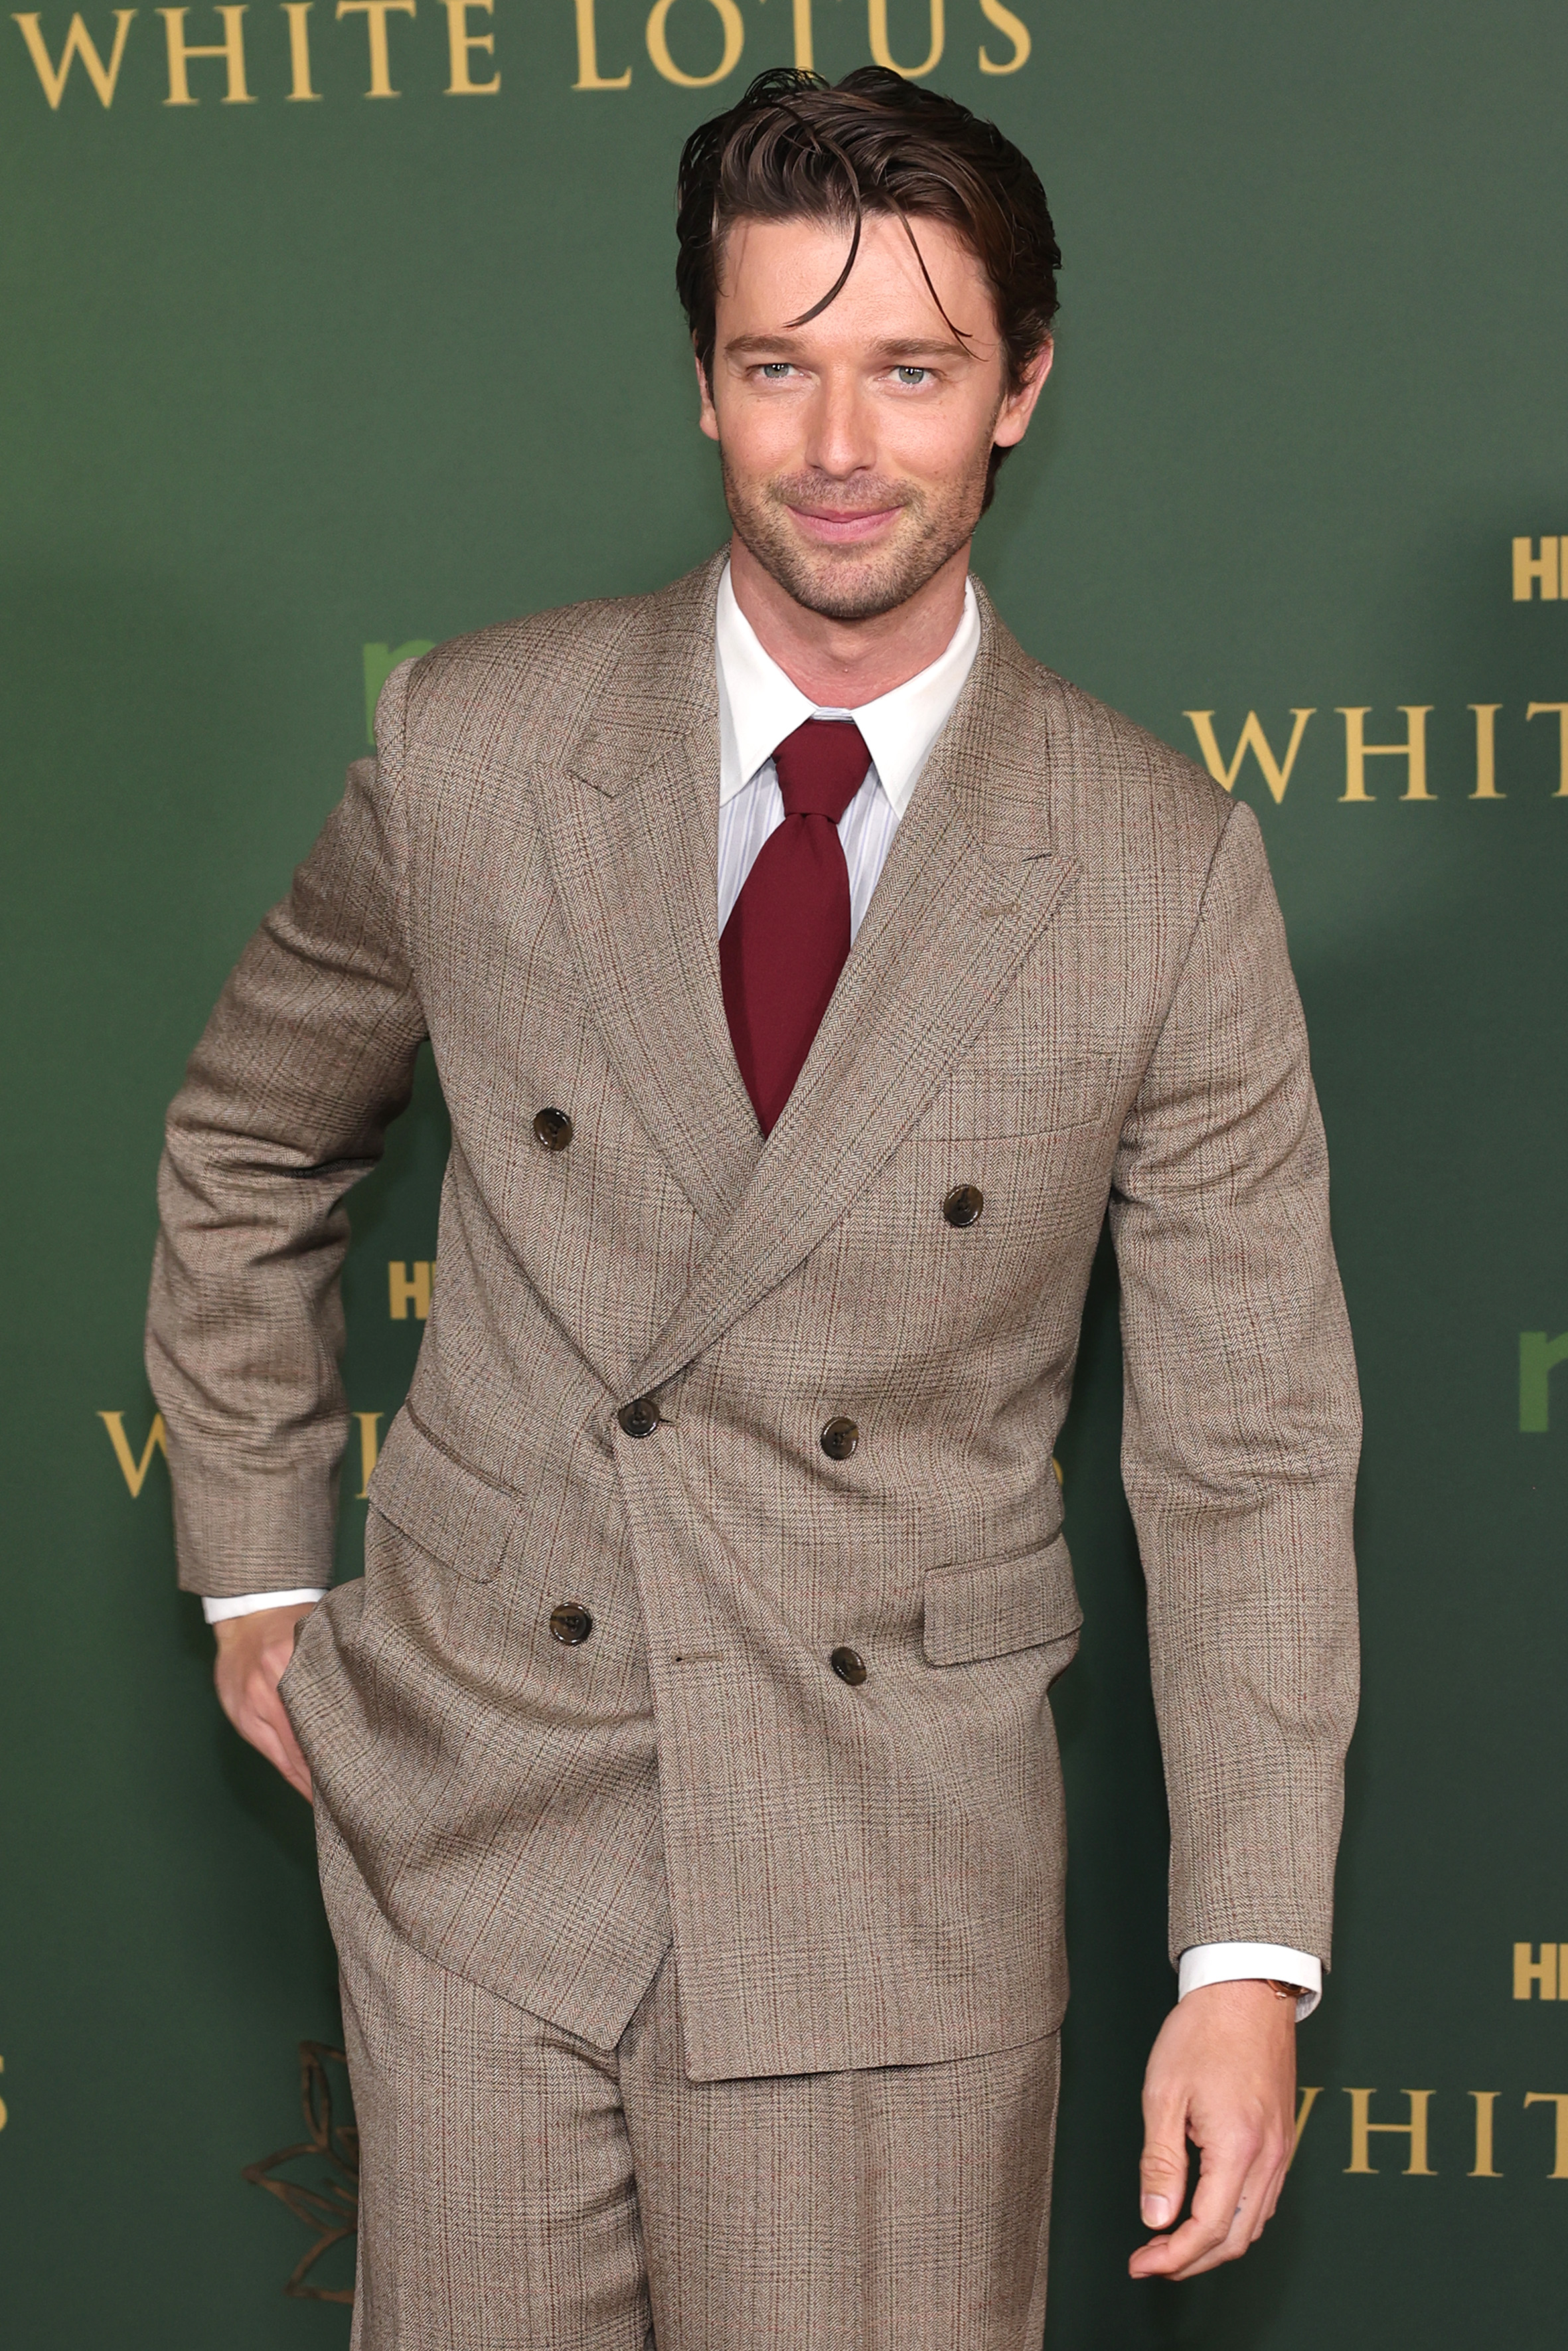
(253, 1655)
(1223, 2075)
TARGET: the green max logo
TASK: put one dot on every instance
(1538, 1356)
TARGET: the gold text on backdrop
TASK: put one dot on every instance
(1547, 570)
(405, 1291)
(1278, 768)
(1545, 1971)
(79, 43)
(1433, 2146)
(677, 33)
(134, 1470)
(1276, 772)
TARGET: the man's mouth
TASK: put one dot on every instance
(841, 526)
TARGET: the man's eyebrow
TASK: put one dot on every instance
(896, 349)
(931, 347)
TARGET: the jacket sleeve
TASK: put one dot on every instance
(308, 1057)
(1241, 1428)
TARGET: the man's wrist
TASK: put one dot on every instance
(247, 1604)
(1211, 1963)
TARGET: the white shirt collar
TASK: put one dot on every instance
(759, 706)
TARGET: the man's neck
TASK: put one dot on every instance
(841, 664)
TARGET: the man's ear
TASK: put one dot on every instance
(1017, 407)
(707, 415)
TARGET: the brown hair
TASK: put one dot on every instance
(793, 148)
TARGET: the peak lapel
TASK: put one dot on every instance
(950, 921)
(632, 827)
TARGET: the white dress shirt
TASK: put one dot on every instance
(757, 707)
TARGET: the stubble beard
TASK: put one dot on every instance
(851, 584)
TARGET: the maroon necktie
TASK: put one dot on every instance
(788, 934)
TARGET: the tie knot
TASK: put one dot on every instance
(821, 768)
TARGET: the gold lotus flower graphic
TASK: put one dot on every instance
(323, 2188)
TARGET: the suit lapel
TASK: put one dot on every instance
(950, 923)
(631, 828)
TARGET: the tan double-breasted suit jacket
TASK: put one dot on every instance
(1070, 991)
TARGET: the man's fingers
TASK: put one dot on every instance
(1235, 2199)
(252, 1654)
(257, 1713)
(264, 1722)
(1161, 2169)
(1197, 2245)
(1194, 2248)
(280, 1749)
(1270, 2172)
(1265, 2181)
(1219, 2226)
(1228, 2237)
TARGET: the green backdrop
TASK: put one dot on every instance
(289, 380)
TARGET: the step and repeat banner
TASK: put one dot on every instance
(332, 331)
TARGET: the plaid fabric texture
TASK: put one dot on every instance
(521, 2188)
(1070, 991)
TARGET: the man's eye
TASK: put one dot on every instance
(775, 371)
(911, 375)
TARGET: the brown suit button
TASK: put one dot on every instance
(839, 1439)
(570, 1623)
(552, 1128)
(639, 1417)
(963, 1205)
(850, 1667)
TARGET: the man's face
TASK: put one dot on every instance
(855, 447)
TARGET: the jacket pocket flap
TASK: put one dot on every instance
(1001, 1088)
(448, 1509)
(1000, 1606)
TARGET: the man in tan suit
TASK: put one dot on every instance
(808, 971)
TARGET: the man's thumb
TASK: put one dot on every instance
(1163, 2174)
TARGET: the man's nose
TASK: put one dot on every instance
(843, 438)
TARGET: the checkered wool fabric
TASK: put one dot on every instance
(521, 2188)
(1070, 992)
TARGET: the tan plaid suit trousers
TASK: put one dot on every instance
(1070, 990)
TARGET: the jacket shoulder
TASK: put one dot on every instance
(1085, 776)
(1118, 748)
(530, 685)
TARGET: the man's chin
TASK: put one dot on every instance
(849, 595)
(851, 586)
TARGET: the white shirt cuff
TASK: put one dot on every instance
(247, 1603)
(1210, 1963)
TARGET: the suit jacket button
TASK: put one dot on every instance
(552, 1128)
(839, 1440)
(963, 1205)
(570, 1623)
(850, 1667)
(639, 1417)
